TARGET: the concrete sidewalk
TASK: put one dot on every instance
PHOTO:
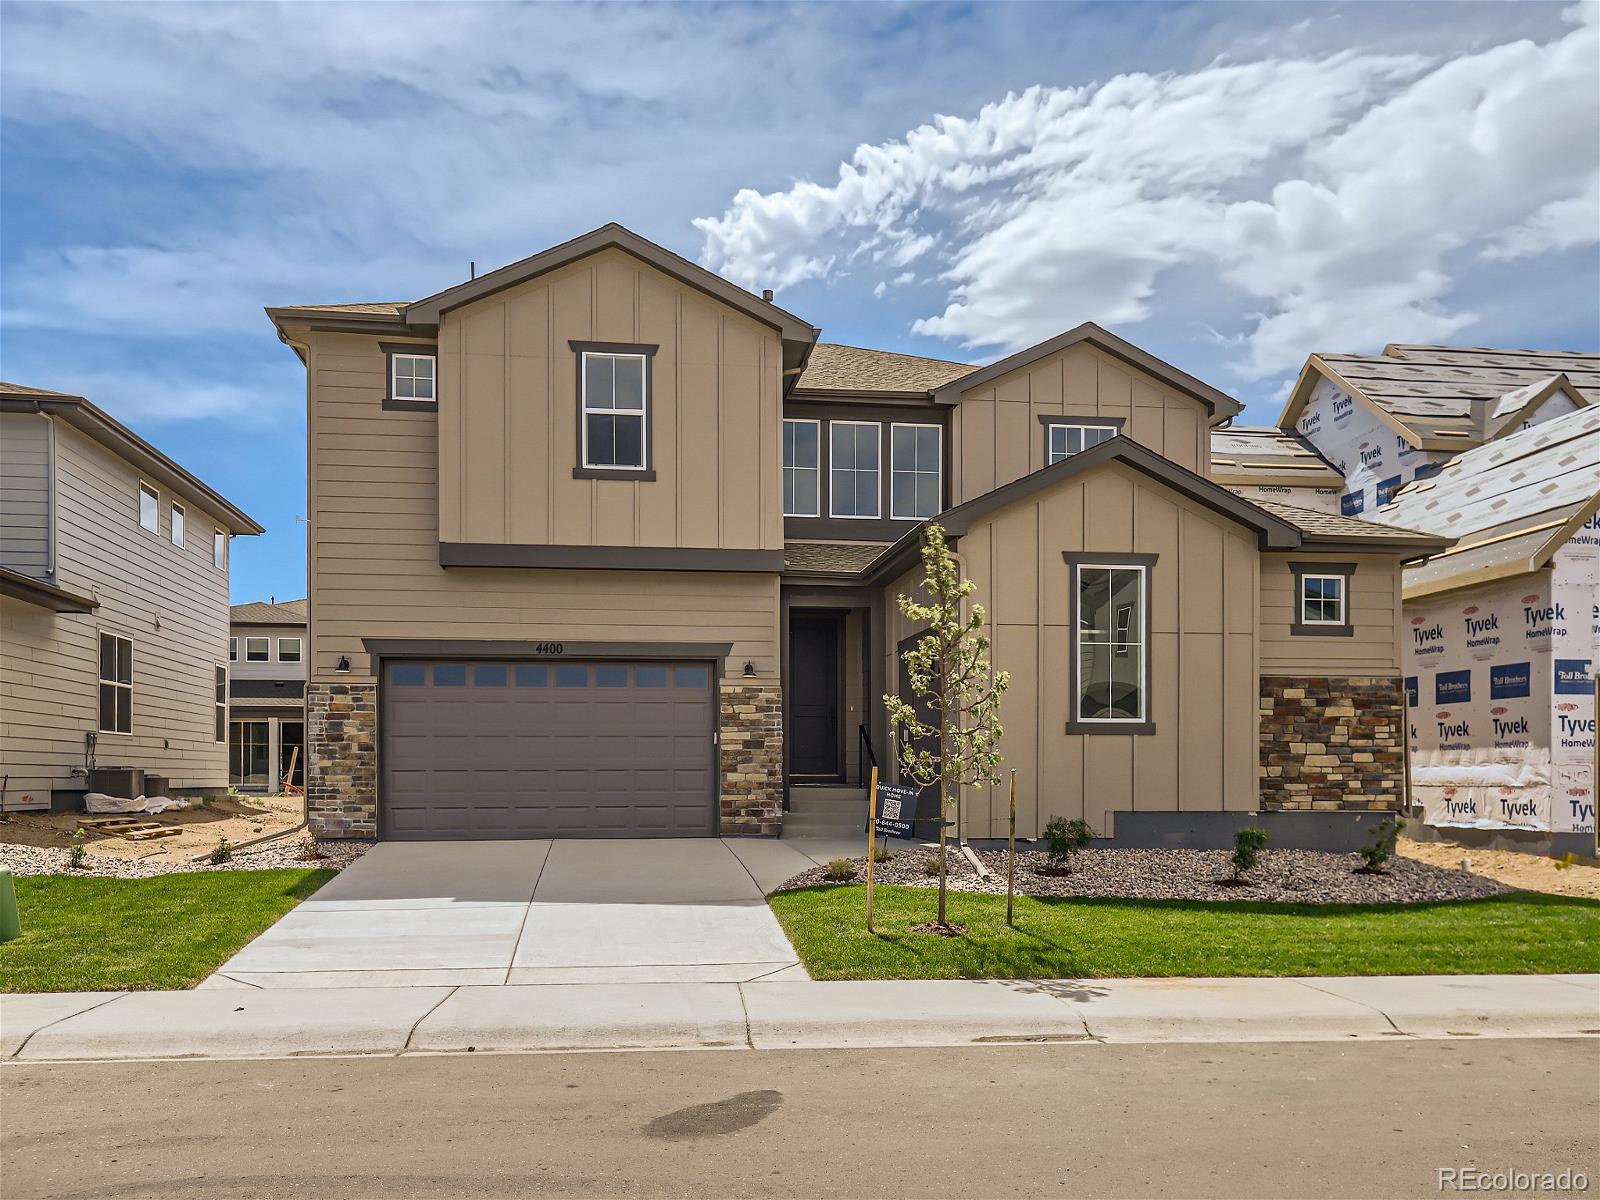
(781, 1014)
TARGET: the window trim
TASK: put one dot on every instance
(938, 429)
(266, 653)
(1053, 420)
(877, 491)
(177, 524)
(138, 515)
(102, 681)
(583, 470)
(392, 350)
(220, 683)
(1118, 726)
(816, 494)
(299, 649)
(1298, 625)
(219, 548)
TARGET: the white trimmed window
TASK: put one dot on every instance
(177, 524)
(916, 471)
(614, 412)
(219, 550)
(220, 733)
(289, 650)
(116, 684)
(1064, 440)
(411, 377)
(854, 449)
(1112, 643)
(1322, 599)
(257, 649)
(802, 468)
(149, 508)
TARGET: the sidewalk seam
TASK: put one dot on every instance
(23, 1045)
(1358, 1003)
(415, 1025)
(749, 1041)
(527, 910)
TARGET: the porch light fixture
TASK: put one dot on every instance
(749, 670)
(344, 665)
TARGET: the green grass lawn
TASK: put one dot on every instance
(83, 933)
(1521, 933)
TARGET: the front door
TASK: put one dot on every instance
(814, 699)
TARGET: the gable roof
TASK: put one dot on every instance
(1244, 454)
(1449, 397)
(260, 612)
(834, 367)
(1218, 404)
(1510, 503)
(123, 442)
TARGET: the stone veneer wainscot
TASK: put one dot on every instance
(752, 759)
(1331, 744)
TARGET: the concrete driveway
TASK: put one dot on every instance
(578, 911)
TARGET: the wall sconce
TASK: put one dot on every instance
(749, 670)
(344, 665)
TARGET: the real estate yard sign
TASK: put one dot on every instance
(1500, 700)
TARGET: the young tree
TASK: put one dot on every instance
(949, 670)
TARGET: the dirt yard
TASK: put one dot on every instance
(237, 818)
(1528, 871)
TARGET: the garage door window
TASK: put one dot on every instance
(407, 675)
(689, 677)
(450, 675)
(650, 677)
(533, 677)
(489, 675)
(611, 677)
(572, 676)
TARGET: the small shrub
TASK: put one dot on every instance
(1381, 849)
(881, 854)
(1248, 844)
(309, 851)
(930, 865)
(223, 853)
(841, 870)
(77, 855)
(1063, 839)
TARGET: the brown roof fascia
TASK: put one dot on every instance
(121, 440)
(1218, 403)
(45, 595)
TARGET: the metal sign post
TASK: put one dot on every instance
(872, 839)
(1011, 854)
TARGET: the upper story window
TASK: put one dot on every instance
(411, 381)
(1110, 667)
(289, 650)
(116, 684)
(916, 471)
(219, 549)
(1063, 439)
(149, 508)
(233, 649)
(220, 700)
(256, 649)
(1322, 599)
(802, 468)
(613, 410)
(177, 524)
(853, 472)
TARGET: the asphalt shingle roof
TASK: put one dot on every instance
(1326, 526)
(259, 612)
(841, 558)
(837, 368)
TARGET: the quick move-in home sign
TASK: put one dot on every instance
(897, 810)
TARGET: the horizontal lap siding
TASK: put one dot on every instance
(171, 601)
(1374, 647)
(25, 493)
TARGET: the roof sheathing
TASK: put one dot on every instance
(1242, 454)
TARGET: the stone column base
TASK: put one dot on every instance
(1332, 744)
(342, 759)
(752, 759)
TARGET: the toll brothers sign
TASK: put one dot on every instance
(1500, 699)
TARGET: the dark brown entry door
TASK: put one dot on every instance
(475, 749)
(815, 749)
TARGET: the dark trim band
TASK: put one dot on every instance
(609, 558)
(45, 595)
(1095, 422)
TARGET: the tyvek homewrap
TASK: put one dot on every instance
(1318, 499)
(1574, 654)
(1374, 460)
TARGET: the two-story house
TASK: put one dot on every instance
(604, 545)
(267, 695)
(113, 606)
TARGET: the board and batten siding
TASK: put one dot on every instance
(25, 493)
(1204, 629)
(374, 549)
(508, 415)
(998, 435)
(1373, 648)
(169, 600)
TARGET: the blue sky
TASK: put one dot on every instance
(1230, 186)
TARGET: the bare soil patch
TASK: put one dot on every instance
(1528, 872)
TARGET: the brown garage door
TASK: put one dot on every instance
(475, 749)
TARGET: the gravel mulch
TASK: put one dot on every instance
(1294, 876)
(44, 860)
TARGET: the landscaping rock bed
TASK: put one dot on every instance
(288, 852)
(1292, 876)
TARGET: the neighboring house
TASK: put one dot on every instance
(1274, 464)
(113, 606)
(1385, 419)
(1503, 634)
(603, 545)
(267, 696)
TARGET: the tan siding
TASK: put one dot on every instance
(508, 430)
(25, 493)
(171, 601)
(1374, 649)
(1000, 437)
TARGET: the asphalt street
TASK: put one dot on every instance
(1240, 1120)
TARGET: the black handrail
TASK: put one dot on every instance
(866, 744)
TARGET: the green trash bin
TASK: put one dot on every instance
(10, 926)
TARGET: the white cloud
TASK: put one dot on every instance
(1338, 198)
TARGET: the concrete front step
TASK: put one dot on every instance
(806, 793)
(811, 823)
